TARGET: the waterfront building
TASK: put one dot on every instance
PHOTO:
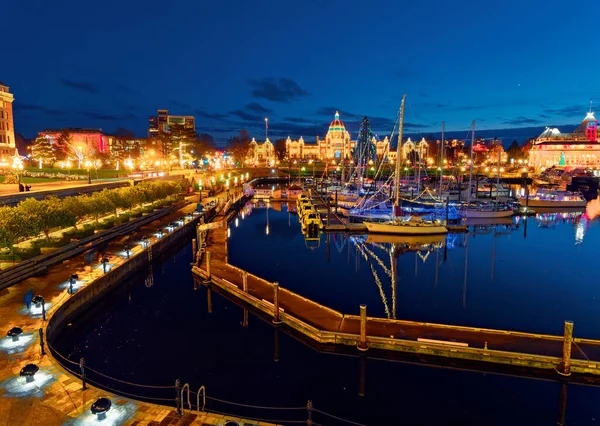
(261, 153)
(130, 147)
(160, 122)
(7, 128)
(88, 140)
(415, 151)
(578, 149)
(337, 145)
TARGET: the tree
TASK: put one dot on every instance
(12, 227)
(62, 145)
(77, 206)
(42, 150)
(514, 151)
(239, 145)
(280, 148)
(176, 139)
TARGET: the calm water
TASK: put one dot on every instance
(525, 278)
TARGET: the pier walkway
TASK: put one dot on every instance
(327, 326)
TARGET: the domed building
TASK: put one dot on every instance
(261, 153)
(336, 145)
(579, 149)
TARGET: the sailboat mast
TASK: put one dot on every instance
(498, 177)
(471, 162)
(399, 153)
(442, 161)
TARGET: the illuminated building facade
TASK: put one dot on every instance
(579, 149)
(261, 153)
(162, 120)
(336, 145)
(7, 128)
(92, 140)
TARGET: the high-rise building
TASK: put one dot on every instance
(162, 120)
(7, 129)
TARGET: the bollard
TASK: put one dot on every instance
(309, 407)
(194, 250)
(245, 281)
(567, 343)
(362, 346)
(41, 331)
(82, 367)
(208, 265)
(178, 396)
(44, 310)
(276, 319)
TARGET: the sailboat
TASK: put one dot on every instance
(485, 210)
(398, 224)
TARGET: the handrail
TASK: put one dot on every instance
(186, 386)
(202, 391)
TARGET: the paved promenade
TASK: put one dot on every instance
(56, 396)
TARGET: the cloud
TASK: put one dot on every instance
(329, 111)
(257, 108)
(80, 85)
(246, 116)
(121, 88)
(298, 120)
(276, 89)
(38, 108)
(180, 105)
(212, 116)
(520, 121)
(110, 117)
(566, 111)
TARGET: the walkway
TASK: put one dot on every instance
(329, 326)
(56, 397)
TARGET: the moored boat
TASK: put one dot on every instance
(553, 198)
(407, 227)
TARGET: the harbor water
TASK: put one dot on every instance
(521, 274)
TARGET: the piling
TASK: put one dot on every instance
(209, 299)
(208, 265)
(562, 404)
(362, 346)
(245, 319)
(567, 343)
(309, 408)
(276, 319)
(245, 281)
(178, 396)
(194, 250)
(82, 368)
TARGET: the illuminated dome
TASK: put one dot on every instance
(589, 117)
(337, 125)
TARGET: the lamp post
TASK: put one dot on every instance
(88, 166)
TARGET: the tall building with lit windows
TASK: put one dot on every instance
(7, 128)
(162, 120)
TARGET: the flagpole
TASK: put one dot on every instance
(266, 129)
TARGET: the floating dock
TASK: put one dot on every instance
(559, 355)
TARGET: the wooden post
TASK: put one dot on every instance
(194, 250)
(562, 404)
(82, 367)
(209, 299)
(208, 265)
(309, 407)
(245, 320)
(178, 396)
(567, 343)
(276, 319)
(276, 344)
(245, 281)
(363, 371)
(362, 346)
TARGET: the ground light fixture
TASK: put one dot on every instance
(127, 250)
(15, 333)
(145, 242)
(28, 372)
(72, 281)
(39, 302)
(104, 261)
(101, 407)
(159, 233)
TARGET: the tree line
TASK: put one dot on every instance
(32, 218)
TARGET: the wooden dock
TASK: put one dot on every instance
(563, 354)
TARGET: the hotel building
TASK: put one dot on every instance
(162, 120)
(7, 128)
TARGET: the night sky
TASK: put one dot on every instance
(111, 64)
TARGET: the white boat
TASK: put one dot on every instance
(554, 198)
(407, 227)
(488, 211)
(400, 225)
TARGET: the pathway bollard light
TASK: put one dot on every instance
(72, 281)
(101, 407)
(39, 301)
(160, 233)
(15, 332)
(127, 250)
(28, 372)
(41, 333)
(144, 242)
(104, 261)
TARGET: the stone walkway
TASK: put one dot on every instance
(56, 397)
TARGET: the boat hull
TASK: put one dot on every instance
(405, 229)
(552, 203)
(488, 214)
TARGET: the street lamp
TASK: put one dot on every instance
(88, 164)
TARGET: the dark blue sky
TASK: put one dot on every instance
(110, 64)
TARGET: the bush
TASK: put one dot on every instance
(106, 225)
(27, 253)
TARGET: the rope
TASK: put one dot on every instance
(129, 383)
(59, 354)
(580, 350)
(338, 418)
(561, 373)
(118, 392)
(254, 406)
